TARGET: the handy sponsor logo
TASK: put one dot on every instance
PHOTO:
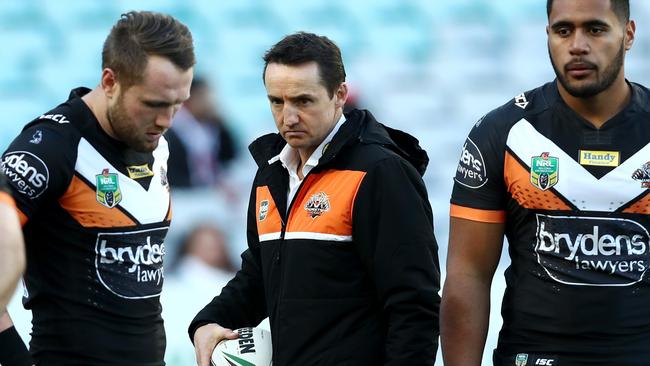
(600, 158)
(592, 251)
(130, 264)
(139, 171)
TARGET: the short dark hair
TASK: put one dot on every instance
(139, 34)
(620, 7)
(303, 47)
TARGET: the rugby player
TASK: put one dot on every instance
(12, 265)
(89, 179)
(556, 169)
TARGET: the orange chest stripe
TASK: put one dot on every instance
(325, 203)
(641, 206)
(80, 201)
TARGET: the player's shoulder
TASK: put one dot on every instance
(66, 118)
(58, 128)
(522, 105)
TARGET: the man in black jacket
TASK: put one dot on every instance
(342, 255)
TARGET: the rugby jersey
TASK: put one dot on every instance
(574, 200)
(95, 216)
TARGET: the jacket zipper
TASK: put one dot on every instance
(276, 338)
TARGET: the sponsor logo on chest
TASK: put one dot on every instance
(599, 158)
(593, 251)
(544, 171)
(108, 189)
(139, 171)
(130, 264)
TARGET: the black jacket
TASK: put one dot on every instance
(351, 275)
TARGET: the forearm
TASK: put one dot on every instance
(465, 312)
(12, 254)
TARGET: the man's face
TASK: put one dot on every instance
(587, 43)
(140, 114)
(303, 111)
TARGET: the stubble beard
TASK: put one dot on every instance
(125, 131)
(602, 83)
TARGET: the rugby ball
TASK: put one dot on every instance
(252, 348)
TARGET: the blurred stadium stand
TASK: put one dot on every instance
(428, 67)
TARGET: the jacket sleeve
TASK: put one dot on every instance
(242, 301)
(393, 230)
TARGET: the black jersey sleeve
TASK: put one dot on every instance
(39, 164)
(479, 192)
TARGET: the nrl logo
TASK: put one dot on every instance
(108, 189)
(521, 359)
(317, 204)
(643, 175)
(544, 171)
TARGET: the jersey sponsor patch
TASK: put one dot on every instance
(592, 251)
(26, 172)
(55, 117)
(130, 264)
(108, 189)
(471, 171)
(599, 158)
(643, 175)
(317, 204)
(139, 171)
(521, 101)
(544, 171)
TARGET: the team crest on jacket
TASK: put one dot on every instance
(317, 204)
(264, 209)
(108, 189)
(544, 171)
(643, 175)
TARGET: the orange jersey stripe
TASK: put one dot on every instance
(267, 214)
(475, 214)
(80, 201)
(517, 179)
(325, 202)
(641, 206)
